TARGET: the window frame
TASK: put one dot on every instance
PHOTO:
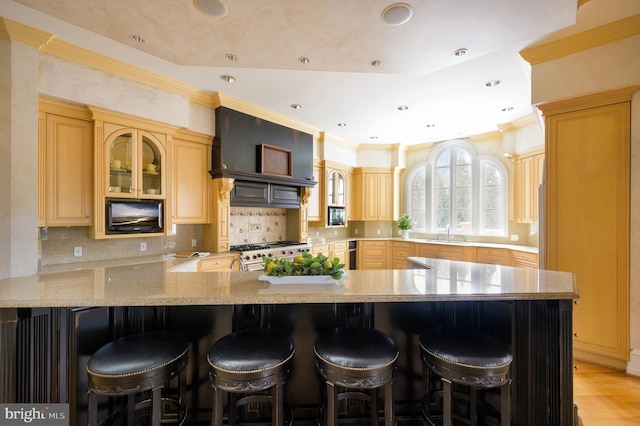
(428, 169)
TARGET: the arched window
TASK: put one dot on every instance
(458, 190)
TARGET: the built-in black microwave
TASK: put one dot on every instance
(336, 216)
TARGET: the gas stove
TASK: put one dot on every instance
(251, 254)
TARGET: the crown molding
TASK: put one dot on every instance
(15, 31)
(517, 123)
(73, 53)
(334, 140)
(614, 31)
(589, 101)
(488, 136)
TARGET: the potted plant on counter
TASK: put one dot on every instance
(404, 223)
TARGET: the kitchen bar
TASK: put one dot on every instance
(529, 309)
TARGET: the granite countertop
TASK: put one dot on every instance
(158, 281)
(527, 249)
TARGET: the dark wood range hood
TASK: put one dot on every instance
(269, 162)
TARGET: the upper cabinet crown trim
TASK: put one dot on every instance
(589, 39)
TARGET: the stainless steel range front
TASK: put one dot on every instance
(251, 254)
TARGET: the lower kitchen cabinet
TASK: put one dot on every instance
(400, 250)
(221, 263)
(339, 250)
(372, 255)
(325, 249)
(524, 259)
(446, 251)
(491, 255)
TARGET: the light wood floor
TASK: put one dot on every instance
(605, 397)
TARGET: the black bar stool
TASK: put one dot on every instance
(248, 362)
(138, 363)
(360, 360)
(467, 361)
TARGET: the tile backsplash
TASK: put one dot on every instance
(250, 225)
(57, 244)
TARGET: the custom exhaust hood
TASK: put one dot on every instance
(269, 162)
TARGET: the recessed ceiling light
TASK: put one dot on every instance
(215, 8)
(507, 109)
(403, 108)
(228, 78)
(231, 57)
(460, 52)
(376, 63)
(342, 124)
(303, 60)
(137, 38)
(431, 125)
(373, 137)
(296, 106)
(397, 14)
(492, 83)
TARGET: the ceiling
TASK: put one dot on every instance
(446, 95)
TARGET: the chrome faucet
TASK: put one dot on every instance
(243, 266)
(448, 233)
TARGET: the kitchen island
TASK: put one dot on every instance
(60, 318)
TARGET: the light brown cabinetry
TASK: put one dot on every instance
(129, 162)
(528, 170)
(191, 159)
(491, 255)
(325, 249)
(373, 190)
(372, 254)
(400, 250)
(587, 216)
(339, 250)
(221, 263)
(446, 251)
(64, 166)
(524, 259)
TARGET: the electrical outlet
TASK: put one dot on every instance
(335, 232)
(77, 251)
(378, 231)
(356, 231)
(143, 246)
(194, 242)
(514, 237)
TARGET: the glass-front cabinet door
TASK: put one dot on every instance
(135, 163)
(335, 189)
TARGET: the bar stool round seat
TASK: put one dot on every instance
(359, 360)
(138, 363)
(474, 360)
(248, 362)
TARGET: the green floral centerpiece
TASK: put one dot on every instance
(404, 222)
(303, 265)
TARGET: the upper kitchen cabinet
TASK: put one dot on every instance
(130, 162)
(373, 194)
(64, 165)
(528, 169)
(135, 163)
(336, 194)
(191, 157)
